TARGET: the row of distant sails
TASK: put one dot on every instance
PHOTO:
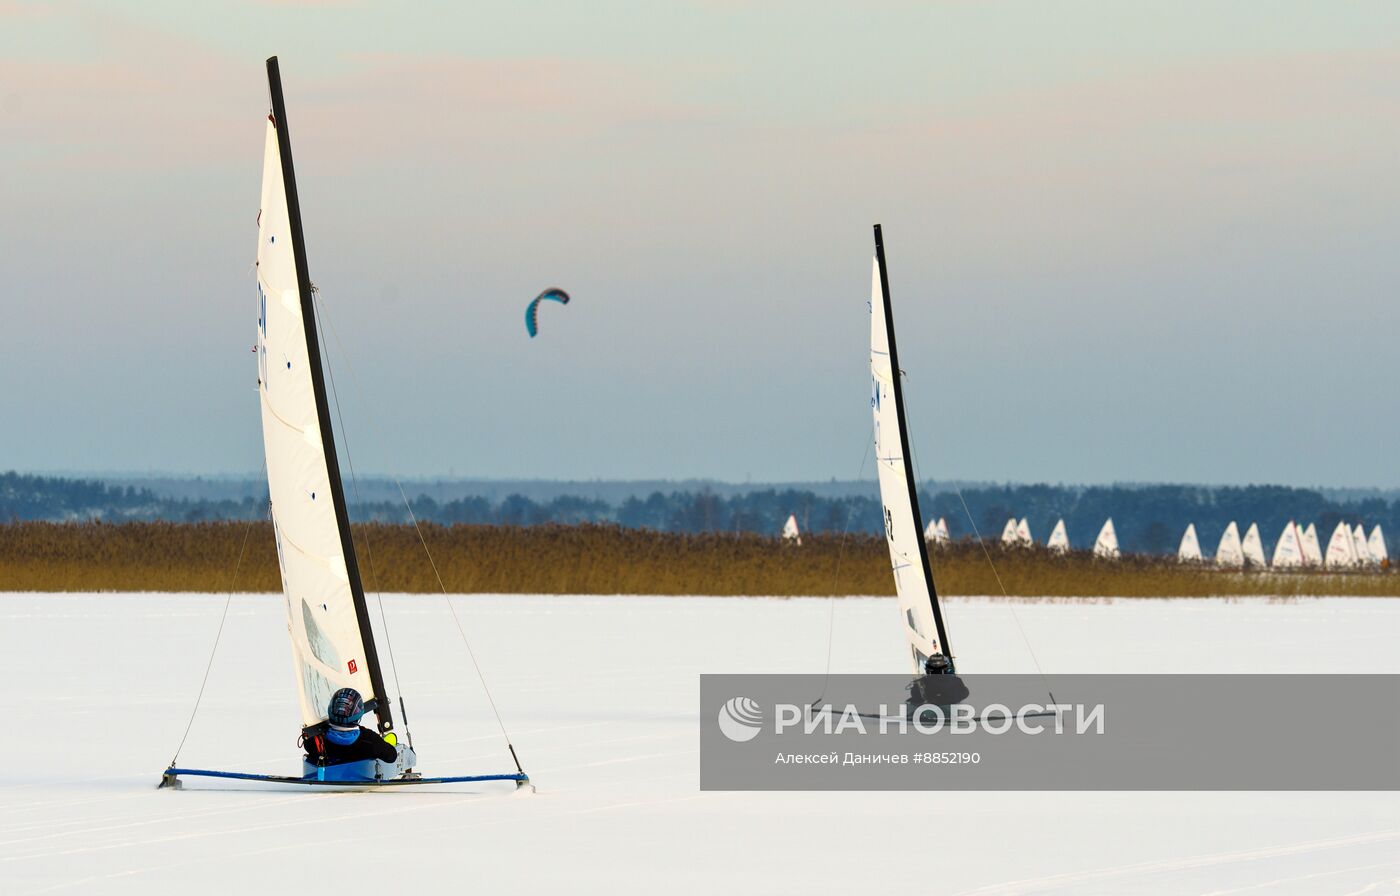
(1297, 547)
(1017, 533)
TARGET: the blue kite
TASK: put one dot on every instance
(532, 310)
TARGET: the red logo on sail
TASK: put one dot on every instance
(353, 668)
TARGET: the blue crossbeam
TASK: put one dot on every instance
(387, 782)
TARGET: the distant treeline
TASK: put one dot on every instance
(606, 559)
(1149, 519)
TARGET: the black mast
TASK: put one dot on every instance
(904, 446)
(380, 704)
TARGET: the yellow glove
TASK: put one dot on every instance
(391, 740)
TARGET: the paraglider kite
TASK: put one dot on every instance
(532, 310)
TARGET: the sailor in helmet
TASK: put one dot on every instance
(344, 739)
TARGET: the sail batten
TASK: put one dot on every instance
(332, 639)
(904, 531)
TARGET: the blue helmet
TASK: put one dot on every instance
(345, 708)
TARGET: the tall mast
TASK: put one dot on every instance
(381, 703)
(904, 446)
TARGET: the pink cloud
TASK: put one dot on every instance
(448, 108)
(314, 4)
(16, 10)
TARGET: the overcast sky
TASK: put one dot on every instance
(1127, 241)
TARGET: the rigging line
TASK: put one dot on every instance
(1016, 617)
(836, 580)
(223, 617)
(1011, 605)
(355, 484)
(355, 380)
(460, 630)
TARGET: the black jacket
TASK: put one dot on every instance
(367, 745)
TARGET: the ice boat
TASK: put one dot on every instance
(1376, 544)
(1190, 549)
(924, 628)
(328, 622)
(1341, 548)
(1228, 553)
(1252, 546)
(1106, 545)
(1288, 552)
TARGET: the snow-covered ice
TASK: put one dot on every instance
(600, 696)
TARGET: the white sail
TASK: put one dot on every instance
(1376, 544)
(942, 530)
(327, 646)
(790, 531)
(937, 531)
(1288, 553)
(1190, 549)
(1008, 532)
(1341, 548)
(1228, 552)
(1023, 533)
(1106, 545)
(903, 529)
(1059, 538)
(1252, 546)
(1363, 550)
(1312, 551)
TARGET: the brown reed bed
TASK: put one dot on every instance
(593, 559)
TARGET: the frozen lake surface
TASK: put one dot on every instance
(600, 695)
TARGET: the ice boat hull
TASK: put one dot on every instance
(172, 778)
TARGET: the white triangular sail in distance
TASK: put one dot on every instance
(1252, 546)
(331, 644)
(1008, 532)
(1190, 549)
(913, 579)
(1376, 544)
(1312, 551)
(790, 531)
(1023, 533)
(1288, 552)
(1059, 538)
(1341, 548)
(937, 531)
(1106, 545)
(1363, 550)
(1228, 552)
